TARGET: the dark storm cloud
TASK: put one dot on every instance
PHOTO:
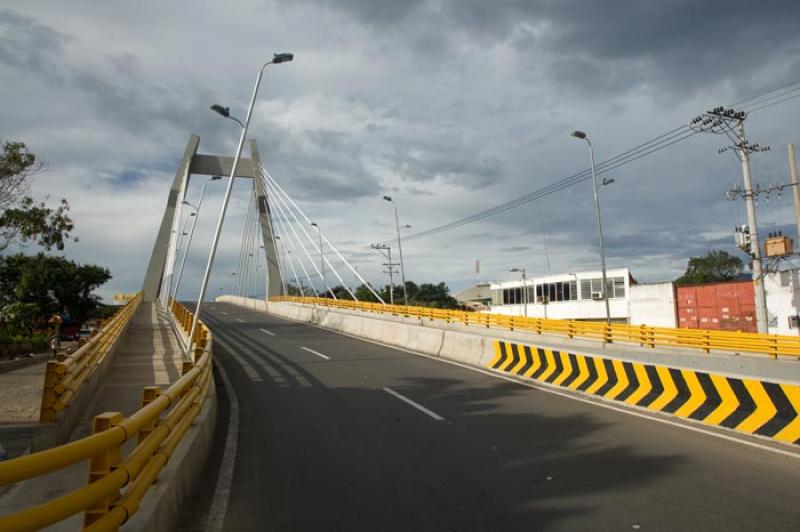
(680, 44)
(607, 47)
(451, 163)
(28, 45)
(322, 165)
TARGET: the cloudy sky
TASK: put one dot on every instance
(449, 106)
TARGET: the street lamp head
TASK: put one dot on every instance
(224, 111)
(578, 134)
(514, 270)
(387, 198)
(314, 224)
(282, 58)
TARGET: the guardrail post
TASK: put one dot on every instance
(101, 465)
(149, 394)
(707, 341)
(773, 347)
(47, 412)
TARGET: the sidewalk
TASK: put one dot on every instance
(150, 355)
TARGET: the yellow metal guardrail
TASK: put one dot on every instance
(64, 376)
(643, 335)
(158, 426)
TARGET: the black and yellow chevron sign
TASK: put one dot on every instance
(752, 406)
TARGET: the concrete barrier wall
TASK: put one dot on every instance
(757, 396)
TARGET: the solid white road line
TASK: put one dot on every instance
(240, 320)
(418, 406)
(219, 504)
(315, 353)
(268, 332)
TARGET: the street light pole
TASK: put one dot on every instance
(604, 288)
(276, 59)
(524, 288)
(191, 232)
(399, 249)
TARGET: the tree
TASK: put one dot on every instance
(22, 218)
(435, 295)
(363, 293)
(53, 285)
(714, 266)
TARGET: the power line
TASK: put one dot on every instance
(764, 99)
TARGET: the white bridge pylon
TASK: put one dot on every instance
(270, 210)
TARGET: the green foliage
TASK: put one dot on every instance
(363, 294)
(340, 292)
(19, 318)
(103, 312)
(52, 285)
(22, 219)
(714, 266)
(11, 345)
(423, 295)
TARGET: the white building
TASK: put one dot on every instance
(653, 304)
(566, 296)
(783, 302)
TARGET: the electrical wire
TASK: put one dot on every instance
(765, 99)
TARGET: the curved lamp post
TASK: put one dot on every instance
(604, 289)
(399, 249)
(224, 111)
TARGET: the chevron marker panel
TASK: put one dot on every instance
(750, 406)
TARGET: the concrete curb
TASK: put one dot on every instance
(24, 362)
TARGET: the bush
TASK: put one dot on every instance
(13, 345)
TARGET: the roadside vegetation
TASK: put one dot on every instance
(35, 288)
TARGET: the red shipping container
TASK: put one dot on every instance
(717, 306)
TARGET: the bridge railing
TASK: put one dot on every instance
(158, 427)
(65, 375)
(734, 341)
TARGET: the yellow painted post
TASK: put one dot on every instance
(103, 464)
(149, 394)
(47, 412)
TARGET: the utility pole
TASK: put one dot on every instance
(390, 265)
(731, 123)
(795, 188)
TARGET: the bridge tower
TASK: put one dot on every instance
(158, 277)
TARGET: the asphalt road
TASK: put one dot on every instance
(337, 433)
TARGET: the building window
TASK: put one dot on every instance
(561, 291)
(615, 287)
(512, 296)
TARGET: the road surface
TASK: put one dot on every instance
(336, 433)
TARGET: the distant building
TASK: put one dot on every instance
(726, 306)
(569, 296)
(478, 297)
